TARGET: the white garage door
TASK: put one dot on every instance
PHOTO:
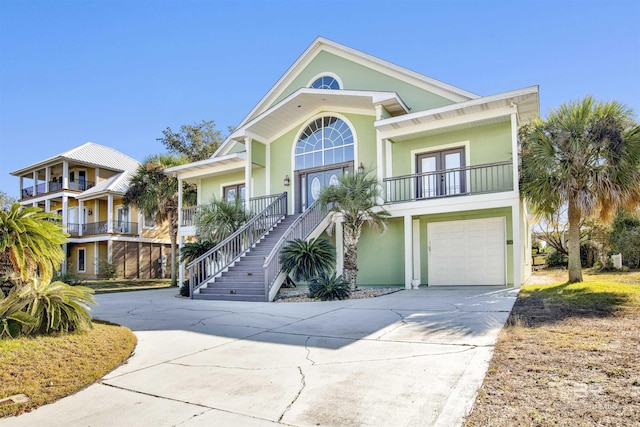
(467, 252)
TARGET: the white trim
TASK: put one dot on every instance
(267, 172)
(454, 204)
(408, 249)
(388, 157)
(437, 148)
(84, 249)
(327, 74)
(438, 125)
(514, 150)
(515, 244)
(417, 274)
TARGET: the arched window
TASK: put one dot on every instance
(326, 82)
(325, 141)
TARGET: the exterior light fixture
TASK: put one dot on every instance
(361, 168)
(89, 212)
(286, 181)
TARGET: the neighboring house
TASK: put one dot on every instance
(86, 185)
(446, 159)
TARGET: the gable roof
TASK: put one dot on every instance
(89, 154)
(321, 44)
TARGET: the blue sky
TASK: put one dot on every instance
(119, 72)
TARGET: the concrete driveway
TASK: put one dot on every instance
(412, 358)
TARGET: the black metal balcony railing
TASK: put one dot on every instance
(487, 178)
(55, 186)
(102, 227)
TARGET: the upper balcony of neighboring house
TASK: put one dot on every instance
(74, 172)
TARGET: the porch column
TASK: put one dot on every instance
(96, 213)
(47, 205)
(179, 204)
(21, 186)
(80, 217)
(110, 215)
(35, 183)
(408, 251)
(379, 157)
(47, 178)
(63, 266)
(65, 175)
(388, 157)
(516, 245)
(416, 279)
(97, 178)
(96, 259)
(110, 251)
(514, 150)
(181, 266)
(247, 174)
(65, 213)
(267, 181)
(339, 247)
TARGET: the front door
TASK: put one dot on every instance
(316, 181)
(440, 173)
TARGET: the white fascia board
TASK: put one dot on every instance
(212, 161)
(454, 204)
(444, 123)
(461, 105)
(218, 170)
(319, 44)
(91, 239)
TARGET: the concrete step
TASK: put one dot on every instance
(230, 297)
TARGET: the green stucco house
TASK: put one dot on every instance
(446, 159)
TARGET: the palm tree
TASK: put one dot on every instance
(307, 260)
(219, 219)
(31, 238)
(156, 194)
(585, 155)
(356, 198)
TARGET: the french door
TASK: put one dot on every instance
(440, 173)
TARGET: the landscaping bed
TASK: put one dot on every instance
(46, 368)
(301, 293)
(123, 285)
(569, 355)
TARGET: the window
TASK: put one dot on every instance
(122, 222)
(326, 82)
(231, 192)
(149, 221)
(326, 141)
(82, 255)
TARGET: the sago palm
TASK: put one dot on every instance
(156, 194)
(32, 240)
(306, 260)
(585, 155)
(356, 198)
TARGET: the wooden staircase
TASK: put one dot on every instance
(245, 280)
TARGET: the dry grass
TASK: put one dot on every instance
(569, 356)
(47, 368)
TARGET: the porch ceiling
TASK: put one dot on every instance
(306, 102)
(208, 167)
(463, 115)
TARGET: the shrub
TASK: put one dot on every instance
(557, 259)
(69, 278)
(107, 269)
(625, 238)
(193, 250)
(47, 306)
(329, 288)
(304, 260)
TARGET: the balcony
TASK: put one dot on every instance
(102, 227)
(466, 181)
(55, 186)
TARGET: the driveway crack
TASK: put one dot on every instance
(308, 356)
(303, 384)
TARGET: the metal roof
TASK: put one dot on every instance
(88, 154)
(116, 184)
